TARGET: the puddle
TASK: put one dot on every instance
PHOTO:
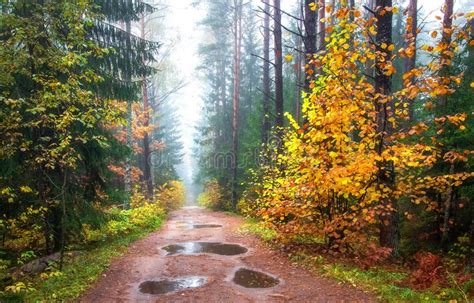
(205, 226)
(165, 286)
(192, 225)
(205, 247)
(253, 279)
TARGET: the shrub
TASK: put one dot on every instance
(213, 197)
(429, 270)
(170, 196)
(247, 204)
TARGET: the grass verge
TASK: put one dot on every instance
(79, 272)
(383, 283)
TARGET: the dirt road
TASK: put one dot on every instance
(146, 260)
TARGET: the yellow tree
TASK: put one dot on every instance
(341, 176)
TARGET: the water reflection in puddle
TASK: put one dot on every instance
(165, 286)
(205, 247)
(253, 279)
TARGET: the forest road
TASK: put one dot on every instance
(146, 260)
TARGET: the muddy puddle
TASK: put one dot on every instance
(192, 225)
(218, 248)
(253, 279)
(160, 287)
(205, 226)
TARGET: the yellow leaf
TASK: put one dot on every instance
(288, 58)
(434, 34)
(25, 189)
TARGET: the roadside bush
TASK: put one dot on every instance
(212, 197)
(144, 214)
(170, 196)
(247, 204)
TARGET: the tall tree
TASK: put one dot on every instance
(389, 227)
(266, 73)
(310, 39)
(236, 94)
(446, 42)
(411, 35)
(63, 87)
(146, 123)
(299, 62)
(278, 66)
(322, 25)
(129, 137)
(445, 62)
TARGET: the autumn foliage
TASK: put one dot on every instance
(343, 172)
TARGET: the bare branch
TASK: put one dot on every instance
(371, 11)
(279, 23)
(255, 55)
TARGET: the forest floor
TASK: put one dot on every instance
(147, 261)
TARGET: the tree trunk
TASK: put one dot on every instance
(446, 42)
(389, 229)
(322, 25)
(310, 39)
(235, 107)
(411, 34)
(223, 97)
(278, 68)
(128, 162)
(471, 231)
(63, 219)
(368, 66)
(448, 204)
(146, 142)
(266, 74)
(471, 241)
(299, 71)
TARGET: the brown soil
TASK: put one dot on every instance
(145, 260)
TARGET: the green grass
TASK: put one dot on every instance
(384, 284)
(80, 272)
(258, 228)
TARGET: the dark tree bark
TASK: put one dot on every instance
(278, 67)
(310, 38)
(446, 42)
(322, 25)
(411, 34)
(235, 106)
(146, 140)
(266, 74)
(299, 60)
(389, 227)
